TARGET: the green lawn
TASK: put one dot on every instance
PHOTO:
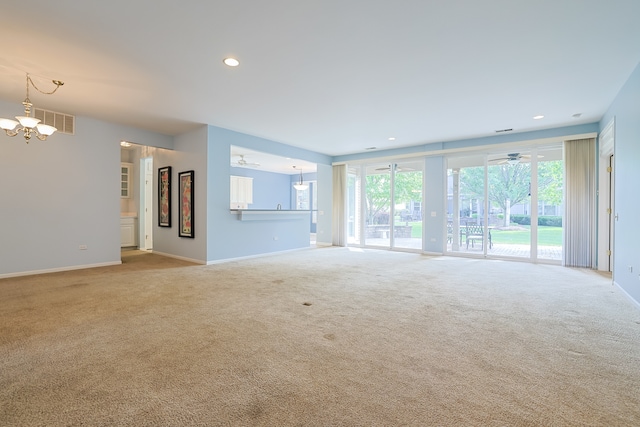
(547, 236)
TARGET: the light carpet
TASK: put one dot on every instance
(320, 337)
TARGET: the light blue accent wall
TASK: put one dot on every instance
(434, 202)
(229, 237)
(61, 193)
(269, 188)
(626, 110)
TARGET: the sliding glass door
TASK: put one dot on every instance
(407, 195)
(506, 204)
(509, 194)
(550, 204)
(378, 208)
(466, 210)
(384, 202)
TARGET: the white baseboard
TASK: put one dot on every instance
(636, 303)
(221, 261)
(432, 253)
(59, 269)
(182, 258)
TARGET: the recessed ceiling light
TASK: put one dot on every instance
(538, 117)
(231, 62)
(392, 138)
(576, 115)
(125, 144)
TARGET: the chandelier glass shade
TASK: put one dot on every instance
(28, 125)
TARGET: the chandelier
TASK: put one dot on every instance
(300, 185)
(28, 125)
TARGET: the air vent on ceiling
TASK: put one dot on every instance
(65, 123)
(503, 130)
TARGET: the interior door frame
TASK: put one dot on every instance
(606, 201)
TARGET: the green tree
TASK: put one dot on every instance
(508, 185)
(408, 187)
(550, 179)
(511, 184)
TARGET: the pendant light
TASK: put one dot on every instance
(300, 185)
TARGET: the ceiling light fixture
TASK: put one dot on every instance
(300, 185)
(538, 117)
(392, 138)
(29, 126)
(231, 62)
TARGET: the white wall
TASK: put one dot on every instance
(61, 193)
(190, 153)
(324, 226)
(65, 192)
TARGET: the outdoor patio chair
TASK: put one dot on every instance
(475, 232)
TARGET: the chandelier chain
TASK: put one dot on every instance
(58, 83)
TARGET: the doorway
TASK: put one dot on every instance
(606, 199)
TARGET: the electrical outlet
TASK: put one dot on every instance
(275, 237)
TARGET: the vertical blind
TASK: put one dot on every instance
(580, 203)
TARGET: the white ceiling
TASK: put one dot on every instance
(332, 76)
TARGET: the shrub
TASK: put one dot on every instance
(545, 220)
(550, 221)
(521, 219)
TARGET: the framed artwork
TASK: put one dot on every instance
(164, 197)
(186, 204)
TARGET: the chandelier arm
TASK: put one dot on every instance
(58, 83)
(11, 132)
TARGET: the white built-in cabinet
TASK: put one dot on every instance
(241, 192)
(126, 169)
(128, 234)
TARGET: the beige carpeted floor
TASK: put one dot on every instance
(319, 337)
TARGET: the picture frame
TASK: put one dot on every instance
(164, 196)
(186, 192)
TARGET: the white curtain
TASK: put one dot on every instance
(339, 217)
(580, 203)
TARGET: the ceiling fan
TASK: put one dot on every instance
(398, 169)
(511, 159)
(243, 163)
